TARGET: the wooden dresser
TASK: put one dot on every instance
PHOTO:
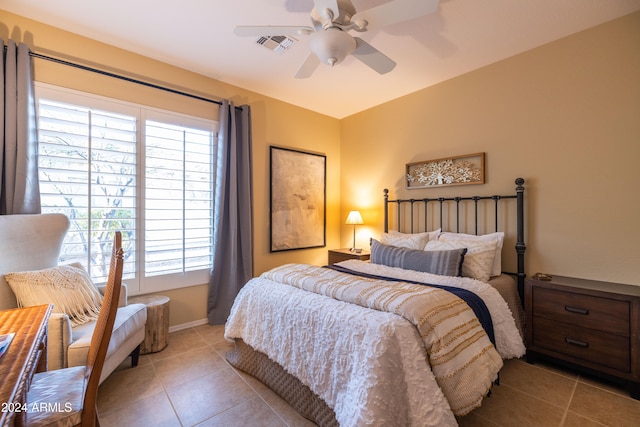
(589, 324)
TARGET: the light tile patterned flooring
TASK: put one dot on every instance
(189, 383)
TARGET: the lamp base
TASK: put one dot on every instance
(355, 250)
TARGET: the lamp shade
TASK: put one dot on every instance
(354, 218)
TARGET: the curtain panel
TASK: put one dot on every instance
(233, 212)
(19, 187)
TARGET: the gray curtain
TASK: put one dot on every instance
(19, 188)
(233, 212)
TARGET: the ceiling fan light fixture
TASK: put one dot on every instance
(332, 45)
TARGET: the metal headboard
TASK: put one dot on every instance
(476, 200)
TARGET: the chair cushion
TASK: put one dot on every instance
(55, 398)
(68, 287)
(128, 320)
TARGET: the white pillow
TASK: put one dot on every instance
(478, 259)
(68, 287)
(498, 237)
(409, 240)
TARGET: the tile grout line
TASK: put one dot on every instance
(566, 411)
(256, 394)
(164, 390)
(164, 387)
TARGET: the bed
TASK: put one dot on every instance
(367, 343)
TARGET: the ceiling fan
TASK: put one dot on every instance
(330, 41)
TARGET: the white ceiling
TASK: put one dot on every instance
(461, 36)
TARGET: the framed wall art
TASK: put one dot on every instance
(298, 193)
(457, 170)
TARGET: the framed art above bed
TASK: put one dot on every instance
(456, 170)
(298, 192)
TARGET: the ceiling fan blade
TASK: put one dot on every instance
(271, 30)
(394, 12)
(323, 5)
(308, 67)
(372, 57)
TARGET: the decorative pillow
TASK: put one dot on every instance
(498, 237)
(445, 263)
(477, 261)
(409, 241)
(67, 287)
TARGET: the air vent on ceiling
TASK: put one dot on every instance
(278, 44)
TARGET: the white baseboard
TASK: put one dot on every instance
(188, 325)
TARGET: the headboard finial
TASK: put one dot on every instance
(386, 210)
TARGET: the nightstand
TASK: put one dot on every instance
(337, 255)
(588, 324)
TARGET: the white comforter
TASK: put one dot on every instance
(369, 366)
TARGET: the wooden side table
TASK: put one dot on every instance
(337, 255)
(156, 333)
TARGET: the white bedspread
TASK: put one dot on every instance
(369, 366)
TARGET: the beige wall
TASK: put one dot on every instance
(274, 123)
(565, 116)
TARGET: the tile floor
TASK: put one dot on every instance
(189, 383)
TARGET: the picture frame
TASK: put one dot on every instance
(297, 213)
(466, 169)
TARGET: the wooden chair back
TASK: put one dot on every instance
(102, 333)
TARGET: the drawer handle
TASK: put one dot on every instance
(576, 310)
(576, 342)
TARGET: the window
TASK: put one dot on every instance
(110, 165)
(178, 199)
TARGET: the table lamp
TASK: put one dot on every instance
(354, 218)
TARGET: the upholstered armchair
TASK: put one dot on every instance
(32, 242)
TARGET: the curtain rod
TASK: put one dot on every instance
(121, 77)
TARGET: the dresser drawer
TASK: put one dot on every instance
(602, 314)
(586, 344)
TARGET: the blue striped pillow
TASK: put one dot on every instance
(445, 263)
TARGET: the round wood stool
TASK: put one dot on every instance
(156, 334)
